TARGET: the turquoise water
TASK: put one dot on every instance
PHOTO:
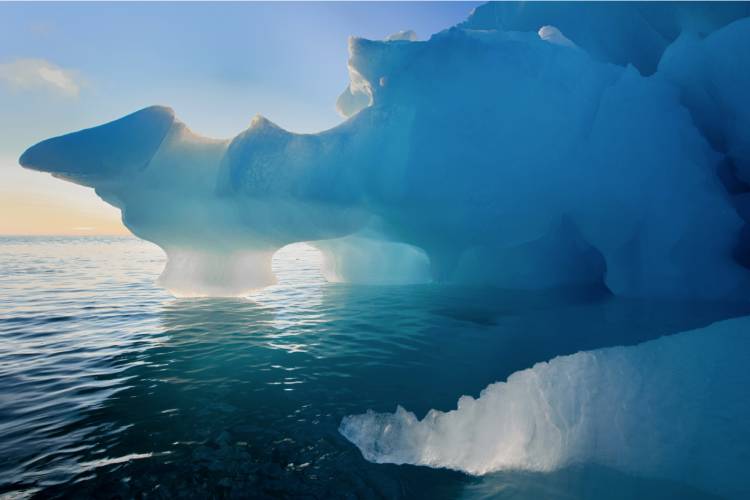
(110, 387)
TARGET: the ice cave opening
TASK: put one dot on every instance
(296, 261)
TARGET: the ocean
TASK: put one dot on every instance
(112, 388)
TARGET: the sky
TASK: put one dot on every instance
(68, 66)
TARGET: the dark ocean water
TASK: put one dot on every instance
(111, 388)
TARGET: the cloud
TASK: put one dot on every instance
(27, 74)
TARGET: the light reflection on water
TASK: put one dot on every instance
(109, 386)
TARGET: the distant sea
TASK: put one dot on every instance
(111, 388)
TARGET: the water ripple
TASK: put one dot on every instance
(110, 387)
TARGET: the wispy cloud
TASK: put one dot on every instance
(40, 74)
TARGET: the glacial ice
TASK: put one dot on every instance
(713, 74)
(535, 145)
(370, 259)
(674, 408)
(622, 33)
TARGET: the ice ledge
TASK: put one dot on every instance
(674, 408)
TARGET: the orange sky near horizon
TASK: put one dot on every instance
(24, 216)
(35, 203)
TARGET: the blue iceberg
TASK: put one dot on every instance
(533, 146)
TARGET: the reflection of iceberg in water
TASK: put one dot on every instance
(676, 407)
(234, 391)
(579, 482)
(297, 298)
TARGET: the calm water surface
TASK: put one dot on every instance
(109, 387)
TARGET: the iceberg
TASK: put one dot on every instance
(533, 146)
(622, 33)
(674, 408)
(713, 75)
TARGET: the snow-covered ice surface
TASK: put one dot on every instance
(675, 408)
(532, 146)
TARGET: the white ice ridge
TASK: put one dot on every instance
(533, 146)
(676, 408)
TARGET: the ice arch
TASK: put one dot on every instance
(493, 151)
(364, 259)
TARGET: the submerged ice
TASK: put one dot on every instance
(532, 146)
(674, 408)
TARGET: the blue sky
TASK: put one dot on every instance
(69, 66)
